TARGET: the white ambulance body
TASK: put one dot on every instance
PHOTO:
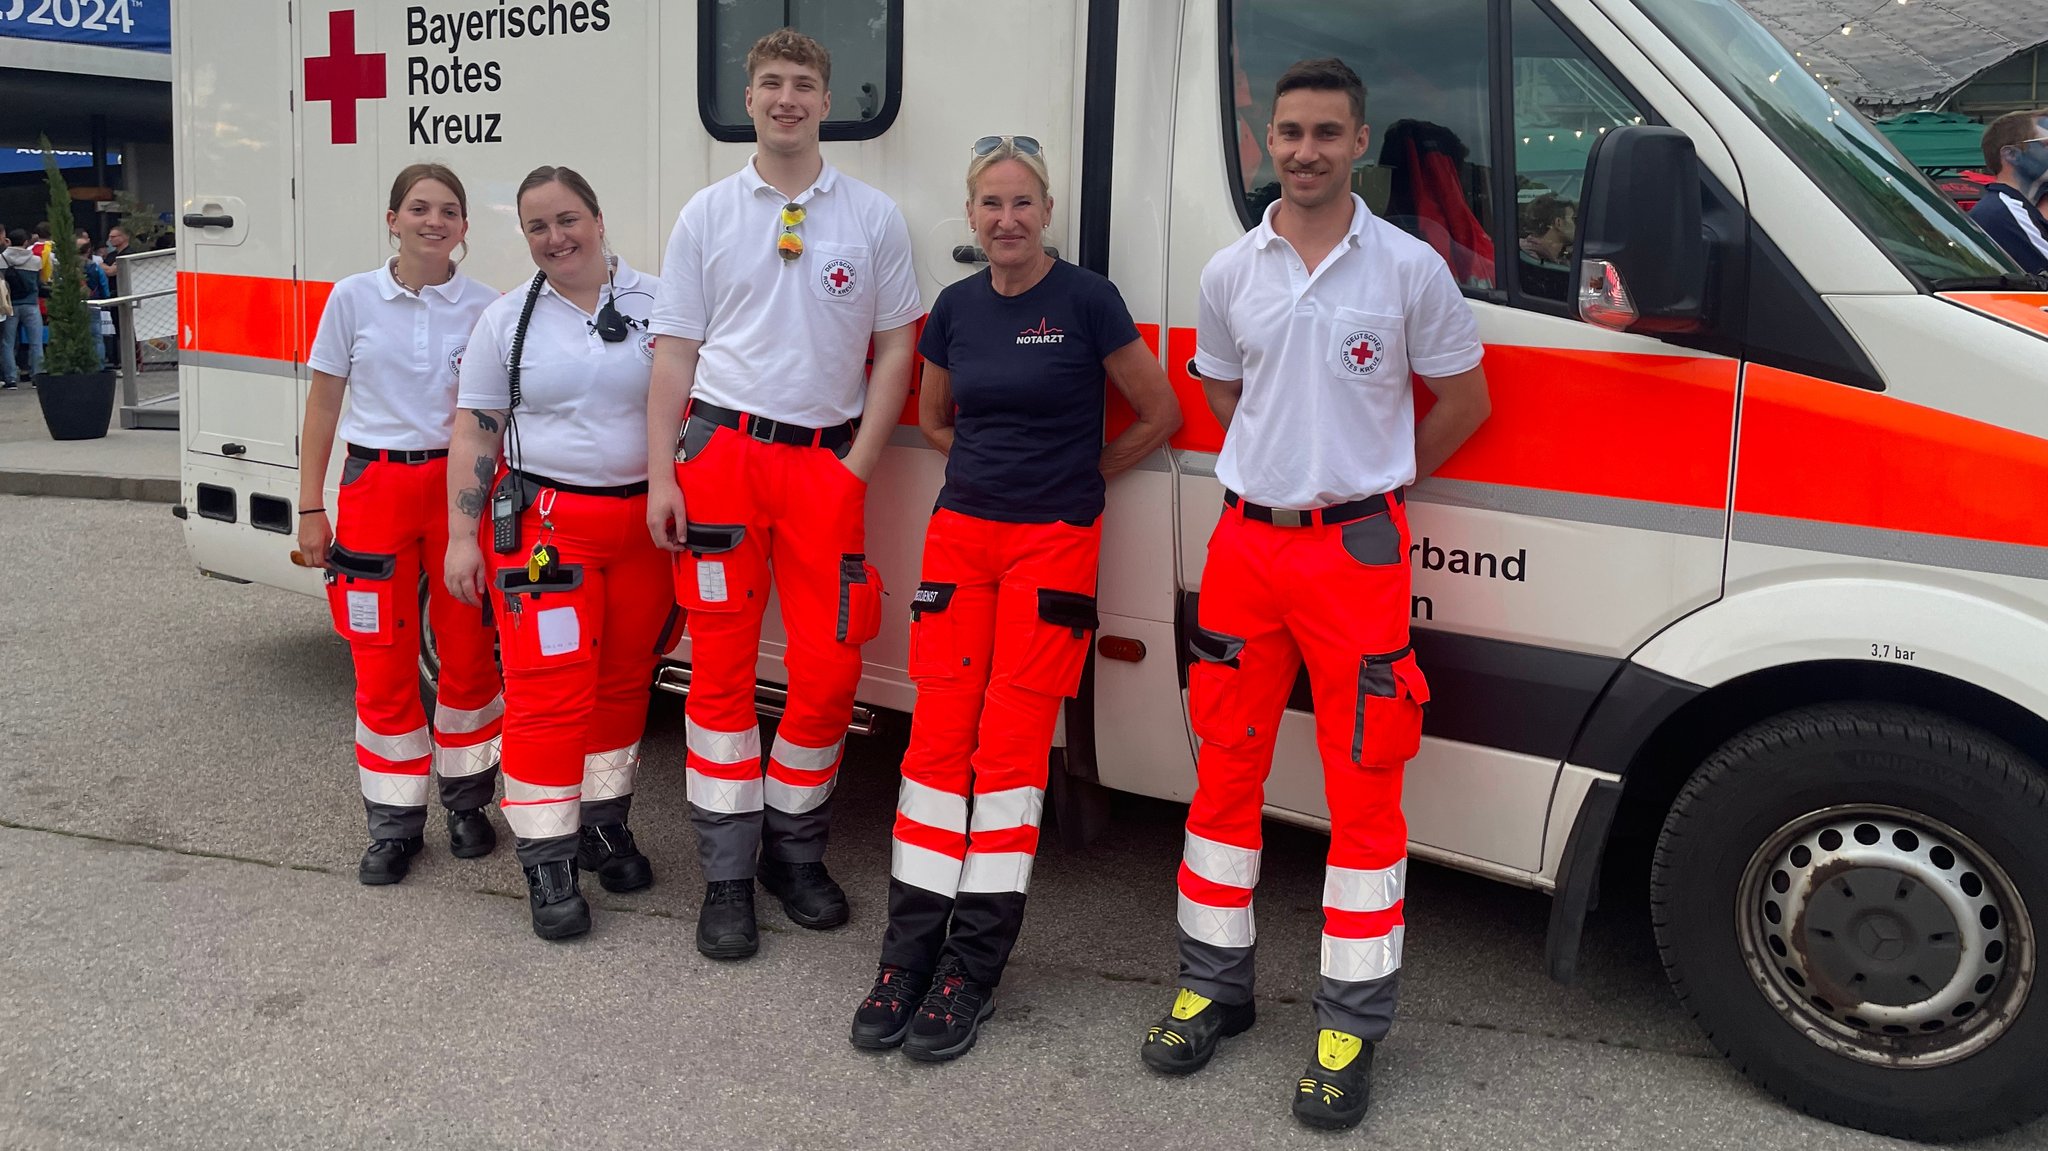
(1750, 565)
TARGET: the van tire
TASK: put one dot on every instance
(1767, 804)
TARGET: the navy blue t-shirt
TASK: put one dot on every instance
(1027, 382)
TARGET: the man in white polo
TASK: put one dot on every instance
(1310, 329)
(775, 281)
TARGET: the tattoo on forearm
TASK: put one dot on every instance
(486, 421)
(471, 501)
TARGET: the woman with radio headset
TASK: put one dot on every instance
(557, 377)
(1012, 395)
(392, 339)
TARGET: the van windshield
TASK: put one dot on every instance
(1853, 163)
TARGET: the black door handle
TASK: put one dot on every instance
(234, 449)
(202, 220)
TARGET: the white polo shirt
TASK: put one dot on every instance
(582, 415)
(1328, 410)
(786, 339)
(400, 353)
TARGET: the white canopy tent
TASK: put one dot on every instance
(1902, 52)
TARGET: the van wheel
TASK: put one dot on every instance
(430, 655)
(1842, 899)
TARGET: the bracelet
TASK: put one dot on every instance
(311, 511)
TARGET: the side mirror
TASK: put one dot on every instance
(1641, 260)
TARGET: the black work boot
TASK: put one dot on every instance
(1183, 1042)
(725, 924)
(609, 850)
(470, 834)
(388, 860)
(883, 1018)
(807, 892)
(1337, 1087)
(559, 911)
(944, 1026)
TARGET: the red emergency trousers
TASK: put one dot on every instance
(998, 636)
(391, 525)
(1336, 596)
(579, 649)
(794, 511)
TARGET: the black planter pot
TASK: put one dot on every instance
(77, 407)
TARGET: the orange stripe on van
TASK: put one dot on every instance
(2027, 310)
(1816, 450)
(238, 315)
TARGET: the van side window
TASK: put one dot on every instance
(1428, 164)
(1563, 102)
(865, 38)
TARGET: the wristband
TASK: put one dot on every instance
(311, 511)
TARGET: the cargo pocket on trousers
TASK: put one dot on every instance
(1215, 708)
(860, 599)
(715, 573)
(361, 596)
(934, 649)
(1058, 645)
(543, 622)
(1386, 727)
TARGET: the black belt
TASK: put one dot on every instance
(393, 455)
(773, 431)
(534, 480)
(1294, 518)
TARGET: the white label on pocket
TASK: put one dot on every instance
(362, 612)
(711, 581)
(559, 631)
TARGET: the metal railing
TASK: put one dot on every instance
(146, 327)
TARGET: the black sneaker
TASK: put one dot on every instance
(884, 1016)
(388, 860)
(725, 924)
(944, 1026)
(470, 834)
(1184, 1041)
(808, 893)
(609, 850)
(559, 910)
(1337, 1087)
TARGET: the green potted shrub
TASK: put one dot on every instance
(75, 391)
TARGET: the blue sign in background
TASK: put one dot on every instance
(144, 25)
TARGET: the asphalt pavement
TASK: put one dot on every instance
(187, 961)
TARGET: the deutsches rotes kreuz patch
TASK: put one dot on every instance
(838, 277)
(647, 346)
(1360, 352)
(455, 361)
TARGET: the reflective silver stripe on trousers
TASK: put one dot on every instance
(922, 867)
(795, 798)
(609, 774)
(1359, 960)
(722, 746)
(1217, 926)
(450, 721)
(392, 789)
(536, 812)
(996, 871)
(456, 762)
(806, 758)
(414, 744)
(1348, 889)
(1014, 807)
(932, 807)
(724, 796)
(1220, 862)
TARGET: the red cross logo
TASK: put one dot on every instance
(343, 77)
(839, 277)
(1361, 353)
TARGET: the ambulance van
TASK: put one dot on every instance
(1741, 595)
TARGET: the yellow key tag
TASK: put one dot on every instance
(537, 563)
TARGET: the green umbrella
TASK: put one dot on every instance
(1936, 141)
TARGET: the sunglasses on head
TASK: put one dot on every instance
(1025, 145)
(788, 244)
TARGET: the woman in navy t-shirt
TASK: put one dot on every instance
(1012, 394)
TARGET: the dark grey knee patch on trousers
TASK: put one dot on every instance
(389, 821)
(728, 843)
(1221, 973)
(1363, 1009)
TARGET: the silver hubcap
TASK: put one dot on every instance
(1885, 935)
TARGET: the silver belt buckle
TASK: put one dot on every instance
(1290, 518)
